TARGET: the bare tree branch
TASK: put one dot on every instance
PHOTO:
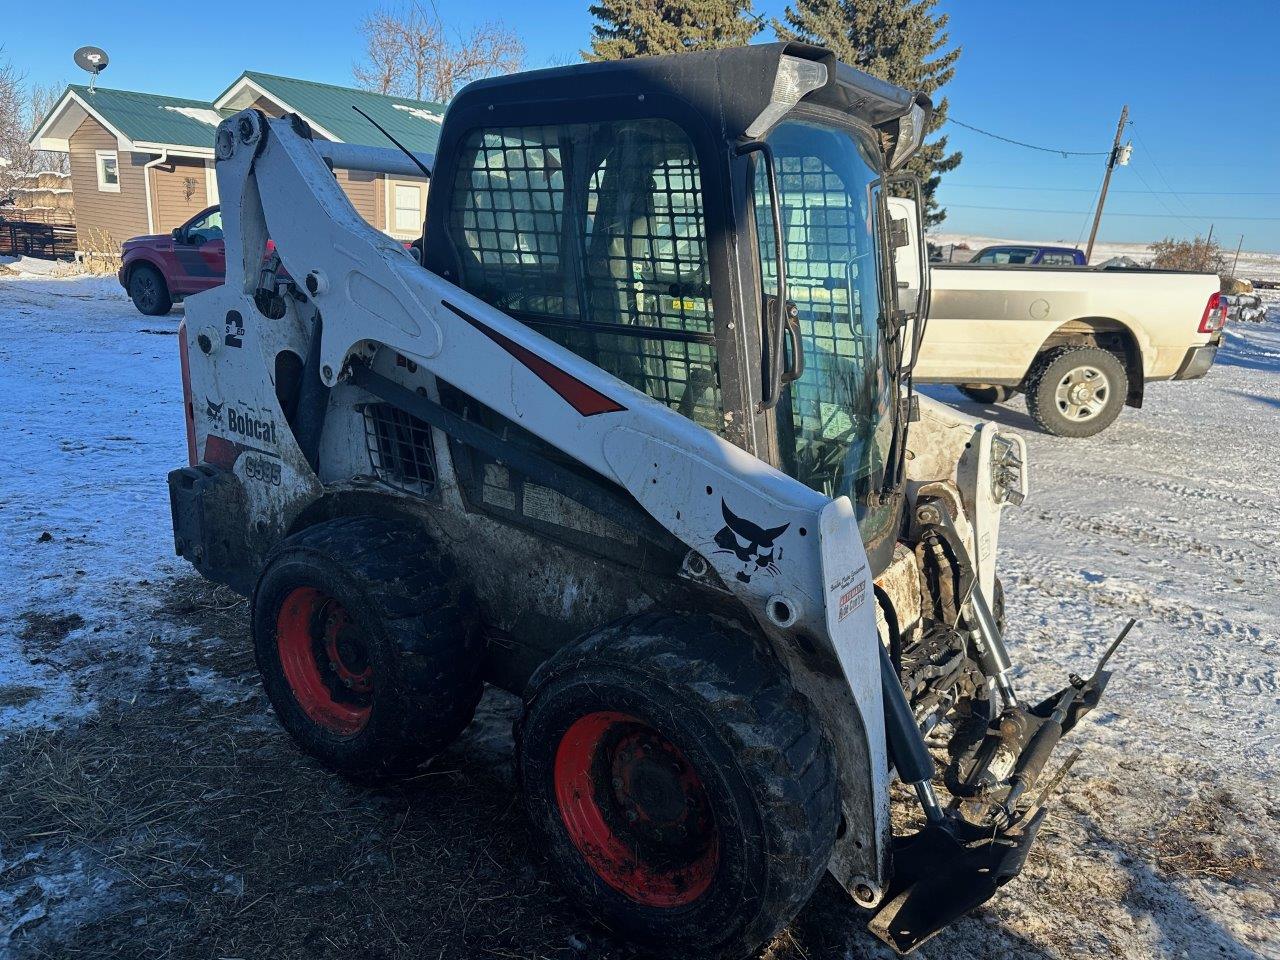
(411, 53)
(22, 108)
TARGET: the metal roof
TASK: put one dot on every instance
(149, 119)
(415, 123)
(152, 118)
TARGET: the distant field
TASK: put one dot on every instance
(1254, 265)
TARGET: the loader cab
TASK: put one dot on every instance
(644, 214)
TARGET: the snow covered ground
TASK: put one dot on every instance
(150, 807)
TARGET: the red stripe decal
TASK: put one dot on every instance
(222, 452)
(587, 400)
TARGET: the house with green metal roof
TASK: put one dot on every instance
(143, 163)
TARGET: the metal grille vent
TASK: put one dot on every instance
(400, 449)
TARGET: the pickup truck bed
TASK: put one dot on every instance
(1080, 342)
(988, 324)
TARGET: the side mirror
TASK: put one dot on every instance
(177, 235)
(906, 258)
(905, 215)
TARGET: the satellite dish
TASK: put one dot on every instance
(93, 60)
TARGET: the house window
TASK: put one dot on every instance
(408, 208)
(108, 164)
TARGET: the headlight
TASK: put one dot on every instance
(795, 79)
(1008, 469)
(910, 136)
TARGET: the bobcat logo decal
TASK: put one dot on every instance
(213, 411)
(753, 545)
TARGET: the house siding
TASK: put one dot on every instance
(106, 217)
(171, 183)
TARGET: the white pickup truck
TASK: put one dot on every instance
(1079, 342)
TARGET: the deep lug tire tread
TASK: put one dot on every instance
(421, 621)
(715, 667)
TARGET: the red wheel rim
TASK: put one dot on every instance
(636, 810)
(325, 663)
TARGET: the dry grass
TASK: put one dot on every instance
(221, 839)
(1199, 843)
(101, 252)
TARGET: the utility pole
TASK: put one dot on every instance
(1236, 263)
(1106, 181)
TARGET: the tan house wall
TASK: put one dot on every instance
(178, 192)
(103, 216)
(364, 190)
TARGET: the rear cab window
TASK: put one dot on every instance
(594, 235)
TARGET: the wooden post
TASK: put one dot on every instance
(1106, 182)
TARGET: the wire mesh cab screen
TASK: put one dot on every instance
(834, 426)
(593, 234)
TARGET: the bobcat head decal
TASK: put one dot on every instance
(753, 545)
(213, 411)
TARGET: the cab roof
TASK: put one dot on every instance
(730, 85)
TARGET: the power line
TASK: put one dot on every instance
(1160, 199)
(1084, 224)
(1030, 146)
(1160, 173)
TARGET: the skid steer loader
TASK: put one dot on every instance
(636, 441)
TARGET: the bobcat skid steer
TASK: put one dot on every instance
(636, 442)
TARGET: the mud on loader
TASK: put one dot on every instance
(636, 442)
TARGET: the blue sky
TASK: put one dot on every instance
(1200, 89)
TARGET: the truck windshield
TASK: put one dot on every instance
(835, 424)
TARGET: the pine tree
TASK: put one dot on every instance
(895, 41)
(639, 28)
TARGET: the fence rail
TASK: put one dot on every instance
(52, 241)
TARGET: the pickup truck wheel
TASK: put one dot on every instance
(149, 292)
(684, 791)
(986, 394)
(1076, 391)
(368, 647)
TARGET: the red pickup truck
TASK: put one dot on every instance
(157, 271)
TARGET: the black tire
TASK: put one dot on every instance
(764, 794)
(1095, 369)
(986, 394)
(149, 292)
(404, 677)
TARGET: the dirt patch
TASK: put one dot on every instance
(1205, 841)
(180, 821)
(18, 695)
(49, 628)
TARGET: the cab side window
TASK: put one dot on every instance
(594, 235)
